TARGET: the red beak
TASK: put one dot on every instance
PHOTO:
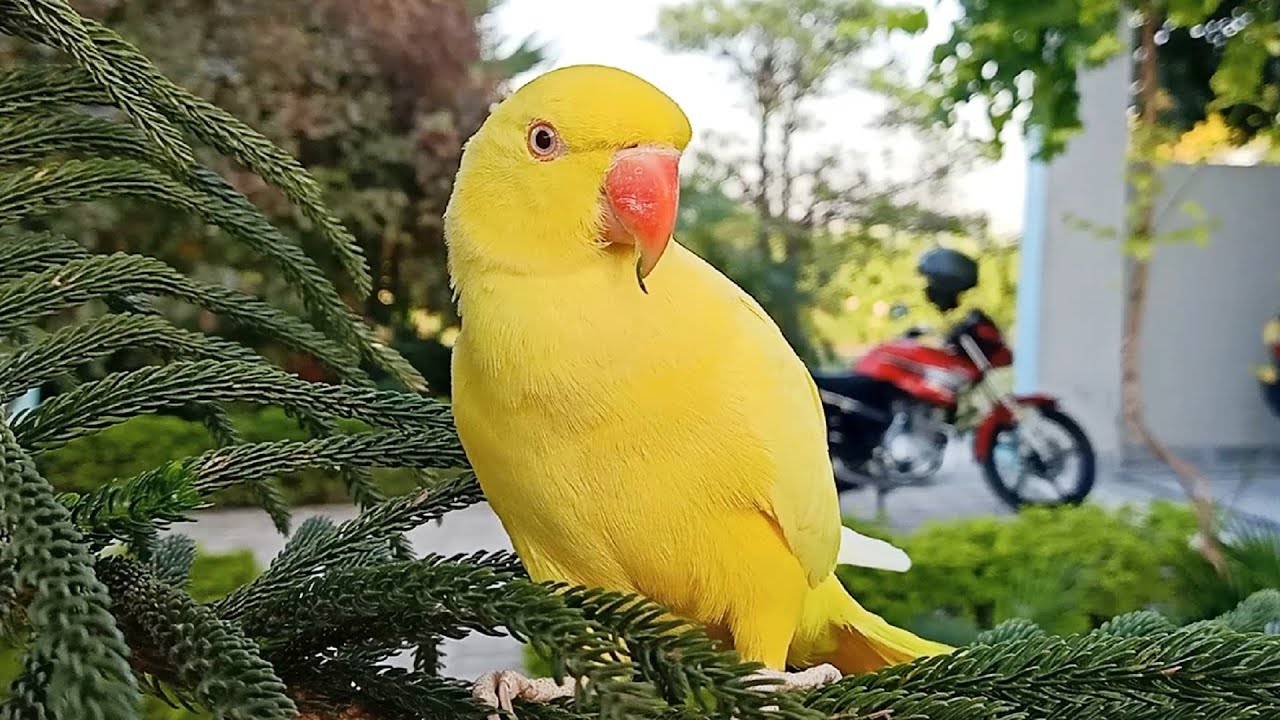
(643, 189)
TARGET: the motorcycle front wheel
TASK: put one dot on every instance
(1069, 452)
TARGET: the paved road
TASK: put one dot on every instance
(960, 493)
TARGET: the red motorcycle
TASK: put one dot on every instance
(891, 419)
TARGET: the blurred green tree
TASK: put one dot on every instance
(886, 276)
(784, 228)
(375, 98)
(1211, 56)
(1225, 65)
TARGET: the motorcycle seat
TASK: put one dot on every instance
(841, 383)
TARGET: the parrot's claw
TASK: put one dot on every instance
(500, 689)
(814, 677)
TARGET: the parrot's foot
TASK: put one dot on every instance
(814, 677)
(500, 689)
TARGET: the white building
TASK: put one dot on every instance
(1206, 305)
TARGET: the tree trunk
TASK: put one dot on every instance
(790, 303)
(1192, 480)
(764, 209)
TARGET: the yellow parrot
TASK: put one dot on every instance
(639, 425)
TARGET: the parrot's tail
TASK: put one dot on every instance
(836, 629)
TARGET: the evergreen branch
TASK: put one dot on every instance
(363, 538)
(41, 360)
(428, 656)
(133, 332)
(396, 600)
(38, 190)
(78, 651)
(1148, 707)
(361, 486)
(1260, 612)
(1144, 624)
(27, 299)
(679, 659)
(171, 559)
(386, 603)
(269, 495)
(99, 404)
(266, 490)
(396, 448)
(188, 646)
(22, 253)
(43, 136)
(136, 509)
(30, 252)
(28, 696)
(218, 204)
(47, 134)
(43, 86)
(55, 23)
(358, 481)
(271, 499)
(904, 705)
(1227, 670)
(72, 346)
(1009, 631)
(379, 605)
(8, 587)
(334, 686)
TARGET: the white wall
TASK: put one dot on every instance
(1070, 296)
(1206, 307)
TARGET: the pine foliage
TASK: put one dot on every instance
(94, 587)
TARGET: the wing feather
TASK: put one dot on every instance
(787, 416)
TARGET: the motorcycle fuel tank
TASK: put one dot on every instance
(931, 374)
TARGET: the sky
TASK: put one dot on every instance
(613, 32)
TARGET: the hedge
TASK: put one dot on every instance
(1067, 569)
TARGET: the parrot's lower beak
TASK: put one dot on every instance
(643, 193)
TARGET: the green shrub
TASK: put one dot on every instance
(1252, 563)
(148, 441)
(1067, 569)
(213, 575)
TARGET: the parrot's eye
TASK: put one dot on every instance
(544, 143)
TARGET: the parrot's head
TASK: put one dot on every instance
(580, 165)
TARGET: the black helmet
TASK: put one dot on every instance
(948, 274)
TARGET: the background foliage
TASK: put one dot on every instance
(798, 230)
(1067, 569)
(1216, 58)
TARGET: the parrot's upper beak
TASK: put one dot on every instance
(643, 193)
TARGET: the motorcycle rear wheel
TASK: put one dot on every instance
(1012, 494)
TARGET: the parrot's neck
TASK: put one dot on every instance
(571, 334)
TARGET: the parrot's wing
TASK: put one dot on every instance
(802, 498)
